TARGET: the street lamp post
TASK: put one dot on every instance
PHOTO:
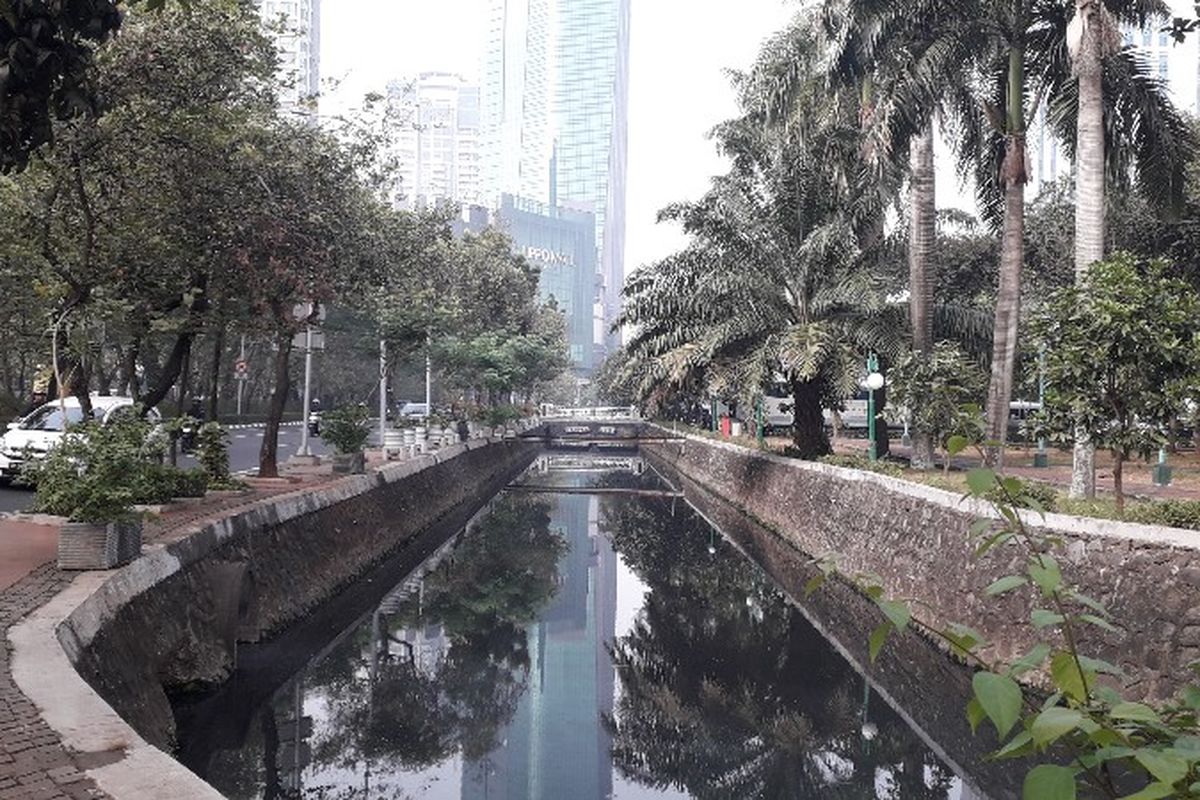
(1041, 458)
(874, 383)
(304, 451)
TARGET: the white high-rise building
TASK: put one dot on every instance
(437, 140)
(516, 96)
(296, 28)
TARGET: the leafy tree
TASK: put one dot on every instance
(939, 392)
(1117, 348)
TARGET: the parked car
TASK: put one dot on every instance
(40, 430)
(415, 410)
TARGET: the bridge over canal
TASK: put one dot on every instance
(604, 428)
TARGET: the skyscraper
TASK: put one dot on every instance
(515, 98)
(555, 90)
(296, 27)
(591, 110)
(437, 140)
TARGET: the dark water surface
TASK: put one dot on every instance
(565, 646)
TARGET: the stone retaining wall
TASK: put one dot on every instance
(915, 538)
(173, 618)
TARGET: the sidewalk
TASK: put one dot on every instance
(1137, 479)
(33, 763)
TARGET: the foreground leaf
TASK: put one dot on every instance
(1052, 723)
(1000, 697)
(1049, 782)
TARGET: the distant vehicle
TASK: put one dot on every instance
(777, 411)
(415, 410)
(40, 430)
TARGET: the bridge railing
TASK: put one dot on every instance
(549, 411)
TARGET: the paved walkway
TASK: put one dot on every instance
(1137, 478)
(33, 763)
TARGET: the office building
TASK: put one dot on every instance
(561, 242)
(591, 112)
(437, 140)
(296, 27)
(516, 92)
(555, 97)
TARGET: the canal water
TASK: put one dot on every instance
(587, 635)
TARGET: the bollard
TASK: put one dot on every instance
(1162, 472)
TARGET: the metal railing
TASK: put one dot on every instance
(551, 412)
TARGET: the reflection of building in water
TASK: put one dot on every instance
(555, 746)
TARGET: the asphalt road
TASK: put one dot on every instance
(244, 445)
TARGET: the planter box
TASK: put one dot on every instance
(349, 463)
(85, 545)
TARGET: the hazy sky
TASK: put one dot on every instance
(677, 90)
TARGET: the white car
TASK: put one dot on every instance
(42, 429)
(415, 410)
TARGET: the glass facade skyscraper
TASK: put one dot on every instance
(591, 105)
(555, 91)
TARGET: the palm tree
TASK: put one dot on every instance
(771, 282)
(987, 65)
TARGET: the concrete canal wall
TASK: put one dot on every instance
(915, 538)
(173, 618)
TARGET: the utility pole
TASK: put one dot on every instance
(382, 389)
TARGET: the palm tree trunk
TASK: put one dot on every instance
(1015, 173)
(1089, 188)
(1008, 311)
(808, 430)
(922, 239)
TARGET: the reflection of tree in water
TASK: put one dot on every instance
(501, 574)
(727, 692)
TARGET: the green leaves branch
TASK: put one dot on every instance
(1084, 729)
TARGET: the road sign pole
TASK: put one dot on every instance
(241, 378)
(308, 350)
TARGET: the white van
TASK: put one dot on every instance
(43, 428)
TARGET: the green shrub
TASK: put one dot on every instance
(162, 483)
(1172, 513)
(1042, 494)
(346, 429)
(95, 473)
(212, 451)
(859, 462)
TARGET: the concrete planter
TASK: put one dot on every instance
(349, 463)
(86, 545)
(393, 443)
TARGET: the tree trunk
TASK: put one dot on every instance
(214, 379)
(1089, 190)
(1119, 483)
(921, 243)
(808, 429)
(1015, 173)
(268, 456)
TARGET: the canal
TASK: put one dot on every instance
(587, 634)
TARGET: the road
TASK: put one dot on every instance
(244, 445)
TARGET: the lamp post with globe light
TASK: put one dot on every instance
(874, 383)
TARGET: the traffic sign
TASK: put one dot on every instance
(241, 369)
